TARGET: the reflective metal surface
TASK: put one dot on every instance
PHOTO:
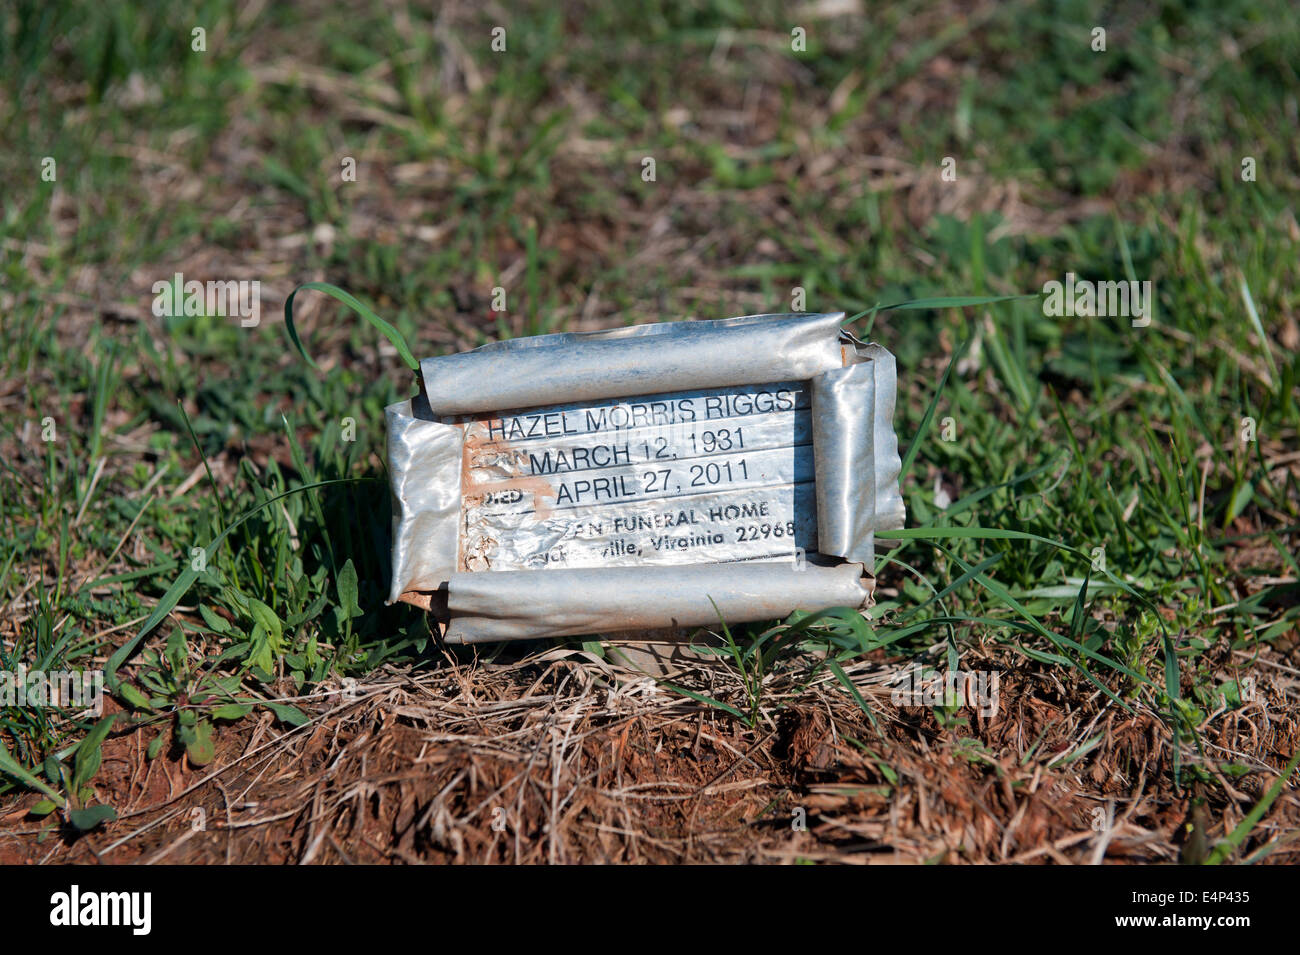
(604, 482)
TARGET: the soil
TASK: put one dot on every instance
(561, 756)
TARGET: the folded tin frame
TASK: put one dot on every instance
(855, 461)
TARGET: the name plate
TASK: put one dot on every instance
(679, 478)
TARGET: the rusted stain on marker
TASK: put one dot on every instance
(478, 544)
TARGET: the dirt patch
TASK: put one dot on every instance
(564, 757)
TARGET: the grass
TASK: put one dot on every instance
(1108, 515)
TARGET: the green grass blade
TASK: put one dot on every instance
(1221, 851)
(924, 427)
(848, 684)
(951, 301)
(391, 333)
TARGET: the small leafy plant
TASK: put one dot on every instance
(68, 789)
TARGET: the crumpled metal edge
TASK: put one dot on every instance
(856, 455)
(518, 604)
(639, 360)
(424, 467)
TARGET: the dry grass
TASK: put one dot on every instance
(562, 756)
